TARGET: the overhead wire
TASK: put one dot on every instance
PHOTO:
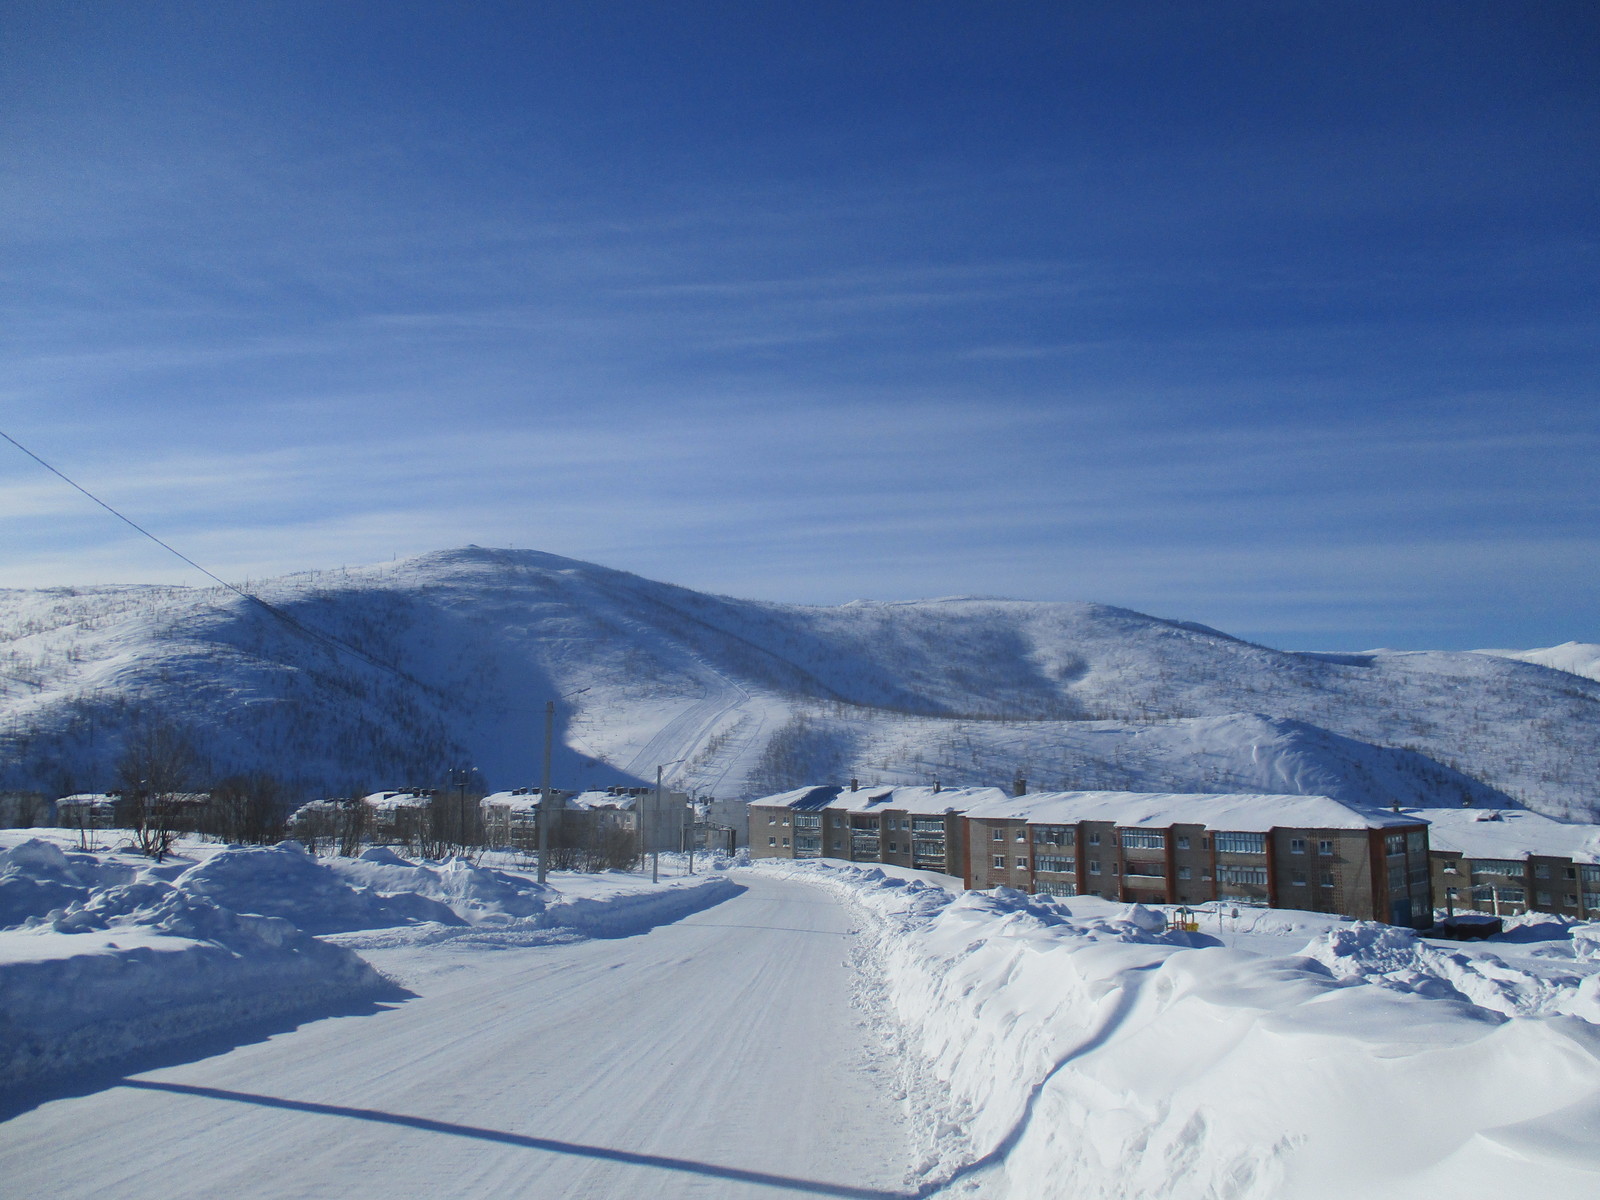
(327, 641)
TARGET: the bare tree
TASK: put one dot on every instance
(157, 769)
(247, 808)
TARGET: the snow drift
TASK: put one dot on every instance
(1073, 1048)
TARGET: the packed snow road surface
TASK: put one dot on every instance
(718, 1056)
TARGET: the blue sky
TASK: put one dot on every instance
(1280, 317)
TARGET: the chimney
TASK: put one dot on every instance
(1019, 785)
(937, 787)
(855, 784)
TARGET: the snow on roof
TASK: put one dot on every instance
(1240, 812)
(601, 800)
(1508, 834)
(523, 799)
(881, 799)
(393, 800)
(90, 798)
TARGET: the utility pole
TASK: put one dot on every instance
(655, 856)
(544, 789)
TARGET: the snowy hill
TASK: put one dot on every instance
(755, 696)
(1576, 658)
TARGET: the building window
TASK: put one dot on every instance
(1022, 864)
(894, 847)
(1449, 866)
(1094, 839)
(1053, 835)
(999, 862)
(1055, 862)
(1094, 866)
(838, 845)
(1297, 845)
(1394, 843)
(785, 841)
(1327, 879)
(999, 835)
(1183, 843)
(1183, 873)
(1147, 869)
(1056, 887)
(1497, 866)
(1022, 834)
(772, 841)
(1297, 878)
(1143, 839)
(1570, 900)
(1241, 843)
(1325, 848)
(1541, 871)
(1511, 895)
(808, 820)
(1253, 876)
(1544, 899)
(772, 818)
(808, 843)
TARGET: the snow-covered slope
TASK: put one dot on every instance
(755, 697)
(1576, 658)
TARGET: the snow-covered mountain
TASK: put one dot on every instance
(752, 697)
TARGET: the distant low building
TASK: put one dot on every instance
(88, 810)
(918, 827)
(589, 818)
(1508, 861)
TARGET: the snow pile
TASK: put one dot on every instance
(37, 877)
(1070, 1048)
(473, 894)
(138, 965)
(284, 881)
(1398, 959)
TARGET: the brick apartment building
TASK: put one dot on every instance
(1508, 861)
(1304, 852)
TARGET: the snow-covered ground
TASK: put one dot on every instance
(716, 1056)
(104, 954)
(1075, 1048)
(455, 1030)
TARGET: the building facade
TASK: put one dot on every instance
(917, 827)
(1304, 852)
(1508, 861)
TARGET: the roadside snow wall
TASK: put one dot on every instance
(1069, 1049)
(143, 965)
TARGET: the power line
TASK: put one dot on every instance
(326, 640)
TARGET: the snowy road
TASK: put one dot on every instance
(714, 1057)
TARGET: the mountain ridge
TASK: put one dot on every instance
(751, 694)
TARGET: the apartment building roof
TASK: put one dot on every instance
(1241, 812)
(921, 800)
(1508, 833)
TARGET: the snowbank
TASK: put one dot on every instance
(134, 966)
(102, 956)
(1072, 1048)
